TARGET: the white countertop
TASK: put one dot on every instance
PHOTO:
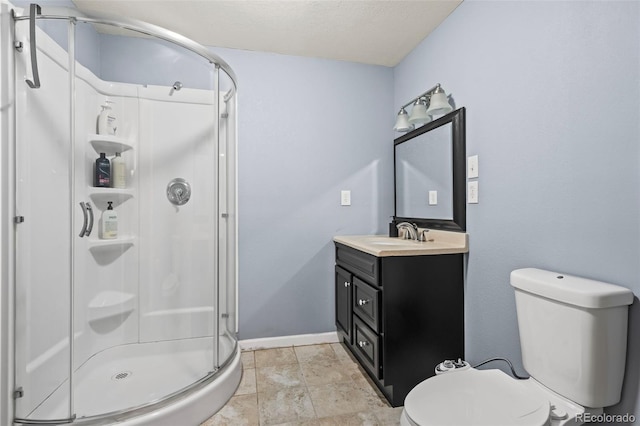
(440, 242)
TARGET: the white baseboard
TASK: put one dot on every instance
(284, 341)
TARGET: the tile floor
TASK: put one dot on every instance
(305, 385)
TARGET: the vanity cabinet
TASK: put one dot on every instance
(400, 316)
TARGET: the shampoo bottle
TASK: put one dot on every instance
(102, 172)
(109, 223)
(118, 173)
(103, 119)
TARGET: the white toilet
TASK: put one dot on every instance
(573, 336)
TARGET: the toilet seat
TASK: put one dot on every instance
(476, 397)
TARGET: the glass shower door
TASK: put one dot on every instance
(108, 327)
(44, 232)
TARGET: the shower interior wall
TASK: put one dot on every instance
(156, 282)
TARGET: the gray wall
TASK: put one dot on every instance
(307, 129)
(553, 111)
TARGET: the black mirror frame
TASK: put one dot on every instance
(459, 222)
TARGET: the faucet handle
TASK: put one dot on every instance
(422, 236)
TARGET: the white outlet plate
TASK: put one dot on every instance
(472, 167)
(345, 198)
(433, 198)
(472, 192)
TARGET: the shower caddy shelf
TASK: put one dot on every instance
(109, 144)
(109, 304)
(97, 244)
(100, 196)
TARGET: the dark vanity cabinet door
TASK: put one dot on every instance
(344, 297)
(400, 316)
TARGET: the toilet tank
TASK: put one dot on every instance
(573, 334)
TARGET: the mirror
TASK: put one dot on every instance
(429, 165)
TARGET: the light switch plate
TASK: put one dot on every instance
(345, 198)
(472, 167)
(472, 192)
(433, 198)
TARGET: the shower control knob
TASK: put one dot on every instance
(178, 191)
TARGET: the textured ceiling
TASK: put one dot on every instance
(379, 32)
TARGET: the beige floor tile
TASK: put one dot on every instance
(388, 416)
(320, 373)
(276, 356)
(240, 410)
(248, 382)
(312, 422)
(370, 392)
(278, 377)
(316, 385)
(357, 419)
(285, 405)
(342, 353)
(315, 353)
(335, 399)
(248, 359)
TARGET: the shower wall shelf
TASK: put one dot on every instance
(108, 304)
(100, 196)
(109, 144)
(124, 243)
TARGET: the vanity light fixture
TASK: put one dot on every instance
(419, 114)
(402, 122)
(437, 102)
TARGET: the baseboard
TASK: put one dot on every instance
(284, 341)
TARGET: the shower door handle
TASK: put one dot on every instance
(83, 231)
(87, 225)
(34, 9)
(90, 227)
(84, 224)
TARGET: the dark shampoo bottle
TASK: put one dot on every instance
(102, 172)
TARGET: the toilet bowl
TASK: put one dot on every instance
(487, 397)
(573, 338)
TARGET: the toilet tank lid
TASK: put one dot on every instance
(571, 289)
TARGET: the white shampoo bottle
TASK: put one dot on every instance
(103, 119)
(118, 172)
(109, 223)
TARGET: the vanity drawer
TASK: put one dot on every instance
(367, 347)
(366, 303)
(362, 264)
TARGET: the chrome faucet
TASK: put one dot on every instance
(411, 230)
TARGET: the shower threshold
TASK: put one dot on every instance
(133, 375)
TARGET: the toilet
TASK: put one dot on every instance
(573, 337)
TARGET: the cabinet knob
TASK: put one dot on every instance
(363, 343)
(347, 283)
(363, 302)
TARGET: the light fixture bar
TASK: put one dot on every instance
(426, 105)
(428, 92)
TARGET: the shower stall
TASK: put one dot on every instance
(140, 328)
